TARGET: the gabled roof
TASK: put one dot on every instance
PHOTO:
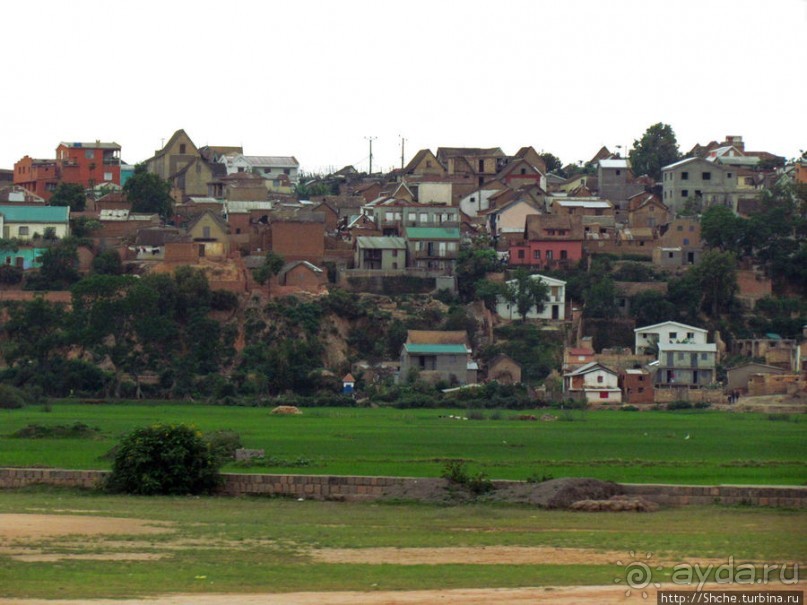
(592, 366)
(35, 214)
(511, 166)
(216, 218)
(687, 161)
(444, 153)
(437, 337)
(602, 154)
(537, 224)
(289, 266)
(418, 158)
(677, 324)
(549, 281)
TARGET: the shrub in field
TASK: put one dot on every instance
(456, 473)
(77, 430)
(679, 405)
(160, 459)
(11, 398)
(223, 444)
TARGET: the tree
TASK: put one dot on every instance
(272, 265)
(489, 293)
(723, 230)
(553, 163)
(169, 460)
(526, 291)
(149, 193)
(107, 263)
(716, 275)
(69, 194)
(600, 298)
(475, 260)
(651, 307)
(59, 267)
(657, 147)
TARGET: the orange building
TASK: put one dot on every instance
(86, 164)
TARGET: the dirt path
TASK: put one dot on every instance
(26, 526)
(575, 595)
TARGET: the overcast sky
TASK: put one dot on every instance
(314, 78)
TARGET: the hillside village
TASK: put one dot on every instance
(658, 277)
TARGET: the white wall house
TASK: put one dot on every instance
(594, 382)
(434, 193)
(648, 337)
(477, 201)
(554, 307)
(268, 167)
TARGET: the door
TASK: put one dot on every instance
(555, 311)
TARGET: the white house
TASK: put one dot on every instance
(479, 200)
(594, 382)
(648, 337)
(269, 167)
(554, 307)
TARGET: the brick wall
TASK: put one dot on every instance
(330, 487)
(666, 395)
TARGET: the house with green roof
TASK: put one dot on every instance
(438, 356)
(30, 222)
(433, 248)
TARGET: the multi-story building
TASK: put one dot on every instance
(686, 364)
(699, 183)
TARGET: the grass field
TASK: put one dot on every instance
(275, 545)
(697, 447)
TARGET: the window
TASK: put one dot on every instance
(673, 335)
(549, 255)
(287, 171)
(536, 255)
(684, 192)
(686, 241)
(473, 199)
(395, 253)
(89, 154)
(267, 171)
(107, 176)
(206, 232)
(641, 389)
(481, 165)
(685, 176)
(690, 335)
(618, 172)
(182, 148)
(680, 356)
(521, 254)
(523, 171)
(707, 176)
(428, 163)
(604, 395)
(23, 231)
(704, 356)
(729, 175)
(394, 265)
(563, 255)
(240, 169)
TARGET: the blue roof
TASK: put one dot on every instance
(35, 214)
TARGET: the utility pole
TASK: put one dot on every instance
(371, 139)
(403, 144)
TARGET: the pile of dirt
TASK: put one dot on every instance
(616, 504)
(286, 409)
(557, 493)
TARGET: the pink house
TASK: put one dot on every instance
(550, 241)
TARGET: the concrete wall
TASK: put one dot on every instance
(329, 487)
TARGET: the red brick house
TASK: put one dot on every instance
(636, 385)
(549, 241)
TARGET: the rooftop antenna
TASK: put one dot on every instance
(371, 139)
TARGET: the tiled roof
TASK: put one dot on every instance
(436, 337)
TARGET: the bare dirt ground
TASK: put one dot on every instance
(17, 529)
(574, 595)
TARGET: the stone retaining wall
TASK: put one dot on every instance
(347, 488)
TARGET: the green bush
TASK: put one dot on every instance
(11, 398)
(77, 430)
(160, 459)
(679, 405)
(456, 473)
(223, 444)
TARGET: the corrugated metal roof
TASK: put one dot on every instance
(388, 243)
(619, 163)
(278, 161)
(436, 349)
(35, 214)
(433, 232)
